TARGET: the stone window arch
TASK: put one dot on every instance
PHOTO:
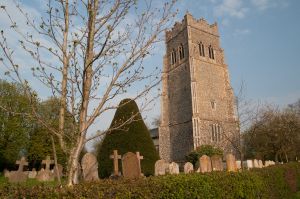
(216, 131)
(201, 49)
(181, 52)
(211, 52)
(173, 56)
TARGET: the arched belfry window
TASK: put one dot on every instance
(201, 49)
(216, 132)
(181, 52)
(173, 56)
(211, 52)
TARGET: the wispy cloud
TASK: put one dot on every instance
(265, 4)
(232, 8)
(239, 32)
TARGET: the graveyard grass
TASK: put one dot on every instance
(280, 181)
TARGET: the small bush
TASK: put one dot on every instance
(208, 150)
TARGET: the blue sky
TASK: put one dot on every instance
(260, 39)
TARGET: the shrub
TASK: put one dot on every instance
(132, 137)
(268, 183)
(208, 150)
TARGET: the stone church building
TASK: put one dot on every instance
(197, 100)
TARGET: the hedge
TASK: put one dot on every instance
(132, 137)
(281, 181)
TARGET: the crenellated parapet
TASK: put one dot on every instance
(189, 20)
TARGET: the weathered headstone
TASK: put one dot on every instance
(173, 168)
(188, 167)
(230, 162)
(19, 175)
(260, 164)
(89, 166)
(6, 173)
(116, 158)
(249, 164)
(216, 163)
(46, 174)
(255, 163)
(238, 164)
(131, 166)
(32, 174)
(205, 164)
(160, 167)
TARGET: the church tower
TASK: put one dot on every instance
(197, 100)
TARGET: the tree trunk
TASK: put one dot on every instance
(73, 165)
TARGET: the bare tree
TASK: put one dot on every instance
(87, 53)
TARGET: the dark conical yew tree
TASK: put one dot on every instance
(132, 137)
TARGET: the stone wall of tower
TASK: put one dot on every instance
(176, 83)
(211, 84)
(190, 86)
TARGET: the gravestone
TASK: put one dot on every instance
(216, 163)
(230, 162)
(160, 167)
(255, 163)
(260, 164)
(45, 174)
(116, 158)
(188, 167)
(19, 175)
(173, 168)
(32, 174)
(131, 166)
(249, 164)
(205, 164)
(60, 171)
(238, 164)
(89, 166)
(139, 157)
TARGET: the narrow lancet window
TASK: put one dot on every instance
(201, 49)
(173, 57)
(211, 52)
(181, 52)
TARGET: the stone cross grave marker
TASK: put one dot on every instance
(217, 164)
(205, 164)
(139, 158)
(21, 163)
(131, 166)
(161, 167)
(188, 167)
(19, 175)
(116, 158)
(173, 168)
(89, 167)
(46, 174)
(230, 162)
(47, 162)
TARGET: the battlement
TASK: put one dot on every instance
(189, 20)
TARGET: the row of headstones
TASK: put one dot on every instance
(131, 166)
(208, 164)
(249, 164)
(45, 174)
